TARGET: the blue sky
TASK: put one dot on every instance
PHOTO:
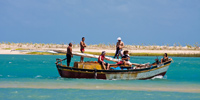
(100, 21)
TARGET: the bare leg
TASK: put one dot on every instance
(103, 66)
(82, 57)
(161, 60)
(127, 63)
(112, 64)
(140, 66)
(136, 64)
(108, 67)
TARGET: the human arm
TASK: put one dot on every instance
(166, 58)
(117, 45)
(121, 45)
(126, 58)
(161, 60)
(82, 44)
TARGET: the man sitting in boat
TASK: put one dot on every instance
(157, 62)
(125, 59)
(165, 58)
(100, 61)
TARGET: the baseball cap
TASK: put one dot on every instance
(119, 38)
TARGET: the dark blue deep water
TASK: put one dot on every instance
(24, 77)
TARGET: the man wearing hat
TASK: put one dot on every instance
(101, 62)
(119, 47)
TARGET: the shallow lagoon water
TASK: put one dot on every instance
(36, 77)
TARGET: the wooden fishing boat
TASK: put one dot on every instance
(93, 70)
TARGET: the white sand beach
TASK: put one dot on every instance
(17, 48)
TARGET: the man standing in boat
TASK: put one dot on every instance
(82, 47)
(69, 54)
(119, 47)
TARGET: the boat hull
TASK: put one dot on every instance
(132, 74)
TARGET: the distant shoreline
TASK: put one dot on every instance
(134, 50)
(109, 53)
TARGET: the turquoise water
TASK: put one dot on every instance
(36, 77)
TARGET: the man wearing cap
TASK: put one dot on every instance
(119, 47)
(101, 62)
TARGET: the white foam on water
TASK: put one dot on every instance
(38, 76)
(26, 59)
(10, 76)
(148, 94)
(158, 77)
(15, 92)
(165, 77)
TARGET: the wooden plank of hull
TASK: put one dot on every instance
(162, 74)
(78, 74)
(138, 75)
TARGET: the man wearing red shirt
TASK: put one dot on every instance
(100, 61)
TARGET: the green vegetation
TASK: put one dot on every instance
(141, 46)
(21, 49)
(50, 46)
(149, 54)
(7, 48)
(112, 54)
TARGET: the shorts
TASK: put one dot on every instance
(120, 63)
(69, 57)
(128, 62)
(82, 50)
(104, 64)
